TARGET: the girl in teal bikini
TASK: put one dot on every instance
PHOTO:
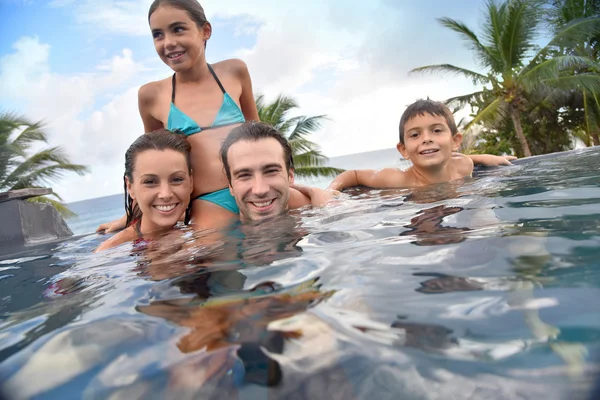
(202, 101)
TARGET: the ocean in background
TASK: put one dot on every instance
(93, 212)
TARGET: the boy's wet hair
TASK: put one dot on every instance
(254, 131)
(421, 107)
(161, 139)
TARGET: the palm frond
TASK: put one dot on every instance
(550, 69)
(482, 53)
(306, 126)
(45, 175)
(488, 114)
(60, 207)
(475, 77)
(309, 159)
(492, 33)
(317, 172)
(461, 101)
(576, 32)
(519, 31)
(589, 82)
(274, 113)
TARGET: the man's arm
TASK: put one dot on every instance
(387, 178)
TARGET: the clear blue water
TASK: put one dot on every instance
(483, 289)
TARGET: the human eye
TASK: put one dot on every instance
(272, 171)
(178, 179)
(413, 134)
(149, 181)
(156, 34)
(178, 29)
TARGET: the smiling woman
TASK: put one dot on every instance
(158, 184)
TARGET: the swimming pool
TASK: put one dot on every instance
(483, 289)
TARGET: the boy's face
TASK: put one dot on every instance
(428, 141)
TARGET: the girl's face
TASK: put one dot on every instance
(162, 187)
(178, 40)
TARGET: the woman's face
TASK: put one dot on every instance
(178, 40)
(161, 186)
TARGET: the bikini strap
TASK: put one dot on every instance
(216, 79)
(173, 91)
(213, 74)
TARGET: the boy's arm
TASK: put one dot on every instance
(112, 226)
(378, 179)
(301, 196)
(489, 160)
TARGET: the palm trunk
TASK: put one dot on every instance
(514, 114)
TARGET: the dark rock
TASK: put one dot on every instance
(24, 224)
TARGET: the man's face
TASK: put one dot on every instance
(260, 182)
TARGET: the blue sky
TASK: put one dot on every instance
(77, 64)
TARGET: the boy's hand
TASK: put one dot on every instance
(112, 226)
(318, 197)
(504, 160)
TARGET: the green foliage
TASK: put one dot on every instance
(527, 102)
(21, 167)
(308, 159)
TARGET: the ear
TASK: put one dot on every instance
(191, 182)
(402, 149)
(291, 176)
(456, 141)
(206, 31)
(129, 188)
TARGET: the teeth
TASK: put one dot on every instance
(428, 151)
(174, 55)
(165, 208)
(263, 204)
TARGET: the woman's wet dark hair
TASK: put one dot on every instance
(161, 139)
(192, 7)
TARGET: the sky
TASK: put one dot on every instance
(77, 65)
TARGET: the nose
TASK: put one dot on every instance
(426, 137)
(170, 41)
(260, 187)
(165, 192)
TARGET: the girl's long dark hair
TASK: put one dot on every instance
(161, 139)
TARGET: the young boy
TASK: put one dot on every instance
(429, 139)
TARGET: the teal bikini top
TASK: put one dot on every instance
(228, 114)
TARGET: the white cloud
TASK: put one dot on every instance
(90, 137)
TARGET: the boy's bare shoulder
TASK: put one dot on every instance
(462, 165)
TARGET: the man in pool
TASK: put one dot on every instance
(429, 139)
(259, 167)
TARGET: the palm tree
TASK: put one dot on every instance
(560, 13)
(308, 159)
(19, 169)
(516, 68)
